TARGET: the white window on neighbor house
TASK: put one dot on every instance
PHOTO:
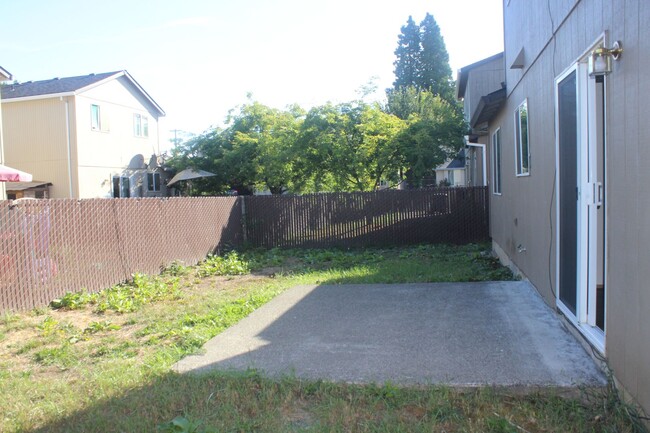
(496, 162)
(98, 118)
(140, 125)
(153, 182)
(450, 177)
(522, 143)
(95, 118)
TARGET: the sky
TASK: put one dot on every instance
(198, 59)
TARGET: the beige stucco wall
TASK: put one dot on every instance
(524, 215)
(35, 140)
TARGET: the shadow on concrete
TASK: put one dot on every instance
(458, 334)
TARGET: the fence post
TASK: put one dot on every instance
(243, 220)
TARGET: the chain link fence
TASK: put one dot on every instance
(381, 218)
(50, 247)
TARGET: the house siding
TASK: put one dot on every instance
(36, 129)
(525, 214)
(37, 139)
(482, 80)
(114, 149)
(3, 189)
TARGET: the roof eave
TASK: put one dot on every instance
(161, 112)
(33, 97)
(4, 74)
(488, 107)
(463, 73)
(128, 76)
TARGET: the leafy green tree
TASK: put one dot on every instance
(434, 134)
(347, 147)
(260, 147)
(254, 151)
(404, 102)
(201, 152)
(425, 99)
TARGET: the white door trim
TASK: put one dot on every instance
(585, 317)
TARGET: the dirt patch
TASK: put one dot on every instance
(25, 334)
(297, 416)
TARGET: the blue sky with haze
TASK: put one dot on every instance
(200, 58)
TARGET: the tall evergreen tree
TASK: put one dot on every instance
(408, 56)
(422, 60)
(434, 72)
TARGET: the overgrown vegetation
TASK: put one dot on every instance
(101, 362)
(350, 146)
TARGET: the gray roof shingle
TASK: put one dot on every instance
(53, 86)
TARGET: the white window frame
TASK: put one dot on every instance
(496, 162)
(95, 117)
(123, 186)
(520, 169)
(153, 186)
(140, 125)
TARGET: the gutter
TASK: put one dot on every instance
(69, 145)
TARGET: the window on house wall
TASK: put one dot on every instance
(450, 177)
(126, 187)
(522, 144)
(140, 125)
(496, 162)
(95, 118)
(153, 181)
(121, 187)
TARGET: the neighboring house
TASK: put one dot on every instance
(86, 135)
(452, 172)
(570, 203)
(4, 76)
(481, 88)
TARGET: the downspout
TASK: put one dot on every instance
(157, 136)
(482, 146)
(3, 186)
(69, 147)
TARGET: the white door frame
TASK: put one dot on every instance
(588, 201)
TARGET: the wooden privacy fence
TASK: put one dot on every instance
(449, 215)
(50, 247)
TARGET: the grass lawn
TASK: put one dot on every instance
(101, 362)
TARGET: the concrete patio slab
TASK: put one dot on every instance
(457, 334)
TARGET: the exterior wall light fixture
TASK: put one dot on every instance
(600, 59)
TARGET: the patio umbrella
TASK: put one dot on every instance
(188, 174)
(8, 174)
